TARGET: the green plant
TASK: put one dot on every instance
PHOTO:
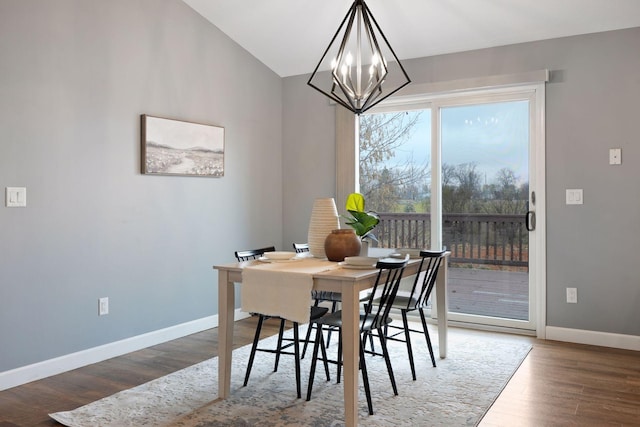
(360, 220)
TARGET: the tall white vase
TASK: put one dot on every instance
(324, 218)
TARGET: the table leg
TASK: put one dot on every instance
(350, 351)
(442, 306)
(226, 308)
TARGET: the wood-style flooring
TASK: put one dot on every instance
(558, 384)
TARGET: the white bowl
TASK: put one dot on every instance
(279, 255)
(360, 260)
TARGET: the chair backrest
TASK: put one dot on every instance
(253, 253)
(383, 293)
(301, 247)
(425, 278)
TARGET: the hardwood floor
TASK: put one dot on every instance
(559, 384)
(30, 404)
(562, 384)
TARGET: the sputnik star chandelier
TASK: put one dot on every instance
(364, 69)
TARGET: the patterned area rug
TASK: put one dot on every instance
(458, 392)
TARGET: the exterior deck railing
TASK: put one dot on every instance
(471, 238)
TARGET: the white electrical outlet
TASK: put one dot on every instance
(615, 156)
(103, 306)
(572, 295)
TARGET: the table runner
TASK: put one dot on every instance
(281, 288)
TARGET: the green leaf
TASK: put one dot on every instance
(363, 222)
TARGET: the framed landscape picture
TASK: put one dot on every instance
(174, 147)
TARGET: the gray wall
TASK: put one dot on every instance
(592, 105)
(74, 78)
(76, 75)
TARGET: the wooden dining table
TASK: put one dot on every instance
(346, 281)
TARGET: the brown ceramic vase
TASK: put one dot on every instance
(341, 243)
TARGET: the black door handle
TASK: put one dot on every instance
(531, 220)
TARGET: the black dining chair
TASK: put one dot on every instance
(416, 300)
(318, 296)
(373, 318)
(316, 312)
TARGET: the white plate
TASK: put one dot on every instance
(360, 260)
(265, 259)
(279, 255)
(357, 267)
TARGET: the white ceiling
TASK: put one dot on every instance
(290, 36)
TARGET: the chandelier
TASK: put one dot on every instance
(364, 69)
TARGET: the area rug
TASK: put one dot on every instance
(458, 392)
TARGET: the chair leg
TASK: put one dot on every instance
(373, 347)
(365, 378)
(314, 360)
(296, 352)
(387, 359)
(333, 310)
(366, 337)
(407, 338)
(426, 335)
(279, 347)
(254, 346)
(308, 337)
(325, 359)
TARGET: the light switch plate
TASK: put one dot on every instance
(103, 306)
(16, 197)
(574, 196)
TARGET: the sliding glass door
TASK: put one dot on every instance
(458, 172)
(485, 200)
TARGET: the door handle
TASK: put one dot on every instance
(530, 220)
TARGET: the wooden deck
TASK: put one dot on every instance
(489, 293)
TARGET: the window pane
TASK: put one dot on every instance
(485, 158)
(395, 167)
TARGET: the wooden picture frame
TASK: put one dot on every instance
(176, 147)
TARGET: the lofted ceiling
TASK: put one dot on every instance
(290, 36)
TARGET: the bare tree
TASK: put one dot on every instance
(461, 188)
(382, 182)
(506, 196)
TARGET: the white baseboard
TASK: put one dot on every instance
(603, 339)
(47, 368)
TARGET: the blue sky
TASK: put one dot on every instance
(493, 136)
